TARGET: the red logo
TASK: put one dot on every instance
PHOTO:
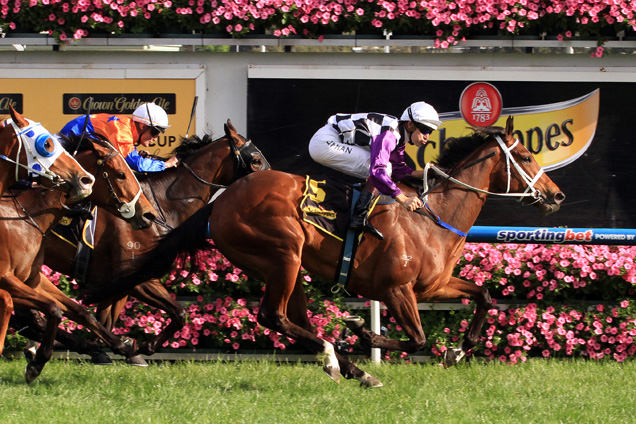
(480, 104)
(74, 103)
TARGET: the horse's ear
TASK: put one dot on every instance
(509, 126)
(17, 118)
(230, 132)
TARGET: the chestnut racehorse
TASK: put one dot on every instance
(26, 216)
(258, 225)
(206, 164)
(27, 150)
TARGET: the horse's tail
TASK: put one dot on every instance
(187, 239)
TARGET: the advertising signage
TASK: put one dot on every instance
(55, 101)
(579, 132)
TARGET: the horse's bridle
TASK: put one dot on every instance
(242, 154)
(26, 137)
(530, 190)
(125, 209)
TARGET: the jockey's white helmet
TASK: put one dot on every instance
(423, 113)
(152, 115)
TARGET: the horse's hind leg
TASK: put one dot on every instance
(272, 313)
(154, 294)
(6, 308)
(297, 313)
(456, 288)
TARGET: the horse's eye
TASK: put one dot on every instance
(121, 176)
(526, 159)
(49, 146)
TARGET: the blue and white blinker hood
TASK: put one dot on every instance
(42, 149)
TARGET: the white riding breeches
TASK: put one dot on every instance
(327, 149)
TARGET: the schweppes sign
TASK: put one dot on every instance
(557, 134)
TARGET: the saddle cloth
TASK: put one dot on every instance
(79, 232)
(326, 204)
(76, 229)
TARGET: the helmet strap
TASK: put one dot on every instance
(140, 130)
(408, 133)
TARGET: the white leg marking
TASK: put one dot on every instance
(330, 357)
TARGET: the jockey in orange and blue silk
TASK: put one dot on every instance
(147, 122)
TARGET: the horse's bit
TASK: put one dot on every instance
(242, 154)
(125, 209)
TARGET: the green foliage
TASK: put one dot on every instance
(540, 391)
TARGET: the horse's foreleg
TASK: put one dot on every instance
(401, 303)
(456, 288)
(25, 297)
(154, 294)
(79, 314)
(297, 313)
(33, 326)
(6, 308)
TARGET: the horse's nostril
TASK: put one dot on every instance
(87, 181)
(559, 198)
(149, 216)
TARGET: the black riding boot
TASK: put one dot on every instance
(360, 217)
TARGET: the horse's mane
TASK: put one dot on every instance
(192, 145)
(69, 143)
(457, 149)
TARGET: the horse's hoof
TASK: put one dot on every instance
(31, 372)
(136, 361)
(101, 358)
(370, 381)
(452, 357)
(354, 322)
(333, 373)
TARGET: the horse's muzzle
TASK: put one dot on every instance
(551, 204)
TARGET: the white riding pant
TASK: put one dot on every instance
(326, 148)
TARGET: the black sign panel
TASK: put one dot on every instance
(116, 103)
(14, 100)
(283, 114)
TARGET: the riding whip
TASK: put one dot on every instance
(88, 112)
(194, 107)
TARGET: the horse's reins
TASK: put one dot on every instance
(530, 190)
(28, 215)
(449, 176)
(125, 209)
(239, 164)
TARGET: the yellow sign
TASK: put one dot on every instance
(44, 101)
(556, 134)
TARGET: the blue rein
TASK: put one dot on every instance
(443, 224)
